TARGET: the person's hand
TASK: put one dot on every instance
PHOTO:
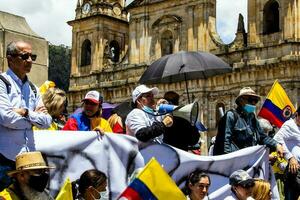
(161, 101)
(62, 118)
(293, 165)
(41, 109)
(279, 149)
(168, 121)
(20, 111)
(99, 130)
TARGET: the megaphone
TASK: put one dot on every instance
(188, 112)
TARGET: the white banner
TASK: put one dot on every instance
(179, 164)
(73, 152)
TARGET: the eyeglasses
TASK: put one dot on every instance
(251, 99)
(25, 56)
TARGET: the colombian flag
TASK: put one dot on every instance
(152, 183)
(277, 107)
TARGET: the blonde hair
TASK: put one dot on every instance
(113, 119)
(53, 100)
(261, 190)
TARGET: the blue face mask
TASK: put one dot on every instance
(249, 108)
(148, 109)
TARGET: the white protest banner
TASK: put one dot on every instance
(73, 152)
(179, 164)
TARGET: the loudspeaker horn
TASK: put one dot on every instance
(188, 112)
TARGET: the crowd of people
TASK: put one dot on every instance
(23, 108)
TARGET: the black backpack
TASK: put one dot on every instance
(8, 85)
(220, 137)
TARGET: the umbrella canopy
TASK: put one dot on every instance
(124, 108)
(183, 66)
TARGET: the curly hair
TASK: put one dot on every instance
(53, 100)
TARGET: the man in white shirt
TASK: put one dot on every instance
(289, 136)
(21, 107)
(143, 121)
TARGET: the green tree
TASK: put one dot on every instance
(59, 65)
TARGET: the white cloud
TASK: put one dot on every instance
(48, 18)
(227, 17)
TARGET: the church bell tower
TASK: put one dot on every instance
(99, 36)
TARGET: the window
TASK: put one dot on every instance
(271, 17)
(114, 51)
(166, 43)
(86, 53)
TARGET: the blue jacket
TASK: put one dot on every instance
(243, 130)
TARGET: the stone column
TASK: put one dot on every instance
(252, 23)
(74, 59)
(190, 28)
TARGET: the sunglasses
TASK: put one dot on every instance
(25, 56)
(251, 99)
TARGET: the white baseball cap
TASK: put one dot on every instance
(142, 89)
(93, 96)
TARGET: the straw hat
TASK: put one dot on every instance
(29, 161)
(247, 91)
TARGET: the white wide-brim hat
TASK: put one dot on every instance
(247, 91)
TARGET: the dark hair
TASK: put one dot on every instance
(193, 178)
(89, 178)
(172, 97)
(298, 110)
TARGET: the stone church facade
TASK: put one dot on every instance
(112, 45)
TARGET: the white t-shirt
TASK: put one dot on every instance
(138, 119)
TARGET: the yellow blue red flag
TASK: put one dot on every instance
(277, 107)
(152, 183)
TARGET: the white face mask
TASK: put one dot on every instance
(104, 195)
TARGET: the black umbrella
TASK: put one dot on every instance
(123, 109)
(183, 66)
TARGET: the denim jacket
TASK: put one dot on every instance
(243, 130)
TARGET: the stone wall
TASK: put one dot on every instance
(15, 28)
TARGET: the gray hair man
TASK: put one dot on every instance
(21, 107)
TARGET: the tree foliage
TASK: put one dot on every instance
(59, 65)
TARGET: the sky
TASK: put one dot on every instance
(48, 18)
